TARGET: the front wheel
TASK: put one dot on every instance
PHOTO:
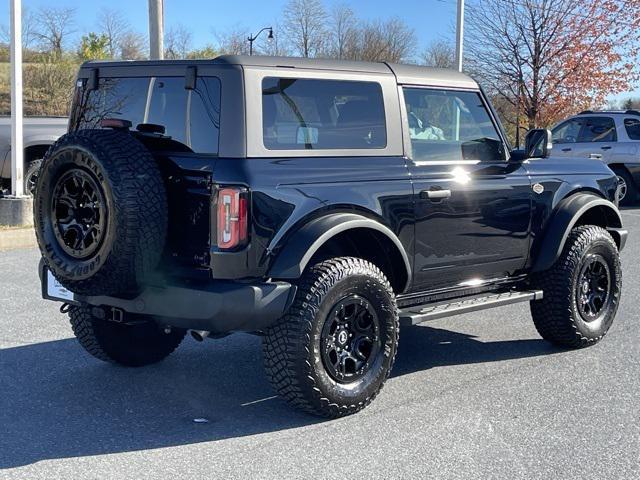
(581, 290)
(332, 352)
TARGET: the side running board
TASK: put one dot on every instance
(422, 313)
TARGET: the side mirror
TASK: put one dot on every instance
(538, 143)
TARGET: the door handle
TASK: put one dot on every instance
(566, 149)
(607, 147)
(435, 194)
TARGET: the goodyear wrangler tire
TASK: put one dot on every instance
(100, 212)
(332, 352)
(581, 290)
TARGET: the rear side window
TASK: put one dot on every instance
(632, 125)
(191, 117)
(314, 114)
(598, 129)
(450, 126)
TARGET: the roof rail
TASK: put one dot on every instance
(627, 112)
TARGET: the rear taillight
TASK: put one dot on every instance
(232, 217)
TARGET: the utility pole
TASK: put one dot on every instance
(17, 149)
(460, 35)
(156, 29)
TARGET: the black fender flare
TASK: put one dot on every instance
(568, 213)
(304, 243)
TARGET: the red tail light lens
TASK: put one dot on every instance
(232, 216)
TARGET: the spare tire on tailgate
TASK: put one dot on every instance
(100, 212)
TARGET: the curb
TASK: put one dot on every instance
(12, 238)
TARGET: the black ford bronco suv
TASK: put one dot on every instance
(319, 204)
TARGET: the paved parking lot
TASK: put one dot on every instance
(476, 396)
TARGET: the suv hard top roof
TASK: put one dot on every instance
(405, 74)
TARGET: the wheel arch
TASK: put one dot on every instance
(582, 208)
(344, 234)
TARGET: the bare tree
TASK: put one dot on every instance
(233, 41)
(386, 41)
(114, 26)
(305, 26)
(28, 30)
(132, 46)
(177, 42)
(439, 53)
(53, 27)
(342, 33)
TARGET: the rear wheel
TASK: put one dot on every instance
(581, 290)
(136, 343)
(332, 352)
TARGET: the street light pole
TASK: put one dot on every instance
(253, 38)
(17, 149)
(156, 29)
(460, 35)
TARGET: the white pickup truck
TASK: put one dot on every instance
(39, 134)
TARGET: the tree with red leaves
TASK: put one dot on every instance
(551, 58)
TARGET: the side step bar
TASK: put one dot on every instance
(422, 313)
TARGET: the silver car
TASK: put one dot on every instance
(610, 136)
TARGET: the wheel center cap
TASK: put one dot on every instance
(343, 336)
(585, 286)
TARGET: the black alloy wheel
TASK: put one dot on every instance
(593, 287)
(333, 350)
(350, 339)
(78, 213)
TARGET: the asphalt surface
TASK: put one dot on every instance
(475, 396)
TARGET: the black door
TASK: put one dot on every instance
(472, 207)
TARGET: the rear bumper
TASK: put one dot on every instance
(217, 306)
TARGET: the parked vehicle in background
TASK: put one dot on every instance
(320, 204)
(610, 136)
(39, 134)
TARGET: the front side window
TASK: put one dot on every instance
(451, 125)
(312, 114)
(632, 125)
(567, 132)
(598, 129)
(190, 117)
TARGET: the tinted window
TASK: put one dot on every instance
(598, 129)
(191, 117)
(448, 125)
(322, 114)
(567, 132)
(632, 125)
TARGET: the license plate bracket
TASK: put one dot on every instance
(52, 289)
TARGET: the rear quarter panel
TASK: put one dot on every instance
(288, 192)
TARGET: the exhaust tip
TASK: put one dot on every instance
(199, 335)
